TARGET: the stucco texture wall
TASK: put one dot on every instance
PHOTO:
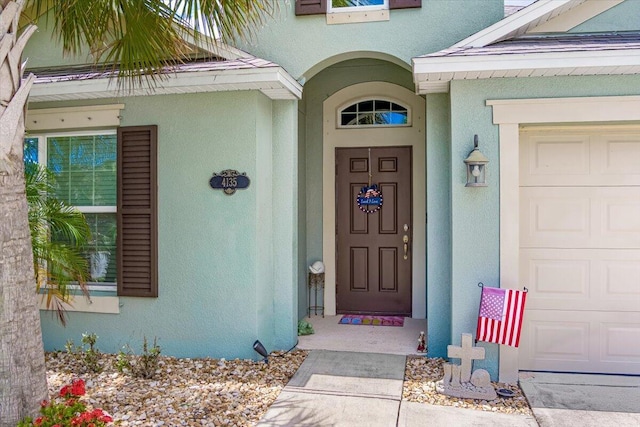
(622, 17)
(438, 224)
(219, 276)
(300, 43)
(475, 217)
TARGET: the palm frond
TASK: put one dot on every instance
(141, 38)
(58, 232)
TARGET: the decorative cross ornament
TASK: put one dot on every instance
(467, 353)
(458, 380)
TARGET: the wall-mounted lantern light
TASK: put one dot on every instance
(476, 166)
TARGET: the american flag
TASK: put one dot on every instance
(500, 317)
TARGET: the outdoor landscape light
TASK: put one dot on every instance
(259, 348)
(476, 166)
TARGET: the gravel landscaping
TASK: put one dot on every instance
(212, 392)
(421, 375)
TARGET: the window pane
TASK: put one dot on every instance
(365, 106)
(374, 112)
(85, 167)
(101, 251)
(356, 3)
(31, 150)
(383, 105)
(348, 119)
(394, 118)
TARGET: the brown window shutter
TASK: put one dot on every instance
(137, 211)
(404, 4)
(311, 7)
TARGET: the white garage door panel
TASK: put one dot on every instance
(555, 340)
(557, 158)
(580, 217)
(580, 249)
(581, 279)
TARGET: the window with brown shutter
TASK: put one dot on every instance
(404, 4)
(319, 7)
(311, 7)
(137, 211)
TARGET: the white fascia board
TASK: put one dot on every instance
(255, 78)
(514, 23)
(547, 60)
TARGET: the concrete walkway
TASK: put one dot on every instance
(334, 388)
(582, 400)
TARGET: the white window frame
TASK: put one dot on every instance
(331, 9)
(43, 160)
(342, 107)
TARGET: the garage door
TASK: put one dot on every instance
(580, 249)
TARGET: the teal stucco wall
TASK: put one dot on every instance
(227, 264)
(302, 43)
(438, 224)
(622, 17)
(475, 221)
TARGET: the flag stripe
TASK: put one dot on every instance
(507, 329)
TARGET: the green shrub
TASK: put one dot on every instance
(144, 365)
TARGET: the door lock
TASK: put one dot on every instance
(405, 240)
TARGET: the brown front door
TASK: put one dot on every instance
(372, 273)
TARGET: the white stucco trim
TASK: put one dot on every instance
(389, 136)
(110, 305)
(89, 116)
(509, 115)
(355, 16)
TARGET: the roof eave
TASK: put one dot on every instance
(434, 74)
(274, 82)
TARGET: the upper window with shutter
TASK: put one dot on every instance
(317, 7)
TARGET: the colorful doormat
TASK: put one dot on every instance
(359, 319)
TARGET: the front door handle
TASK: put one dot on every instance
(405, 240)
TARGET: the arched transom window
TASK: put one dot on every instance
(374, 112)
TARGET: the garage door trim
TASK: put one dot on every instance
(509, 115)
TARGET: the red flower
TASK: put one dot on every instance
(37, 421)
(64, 391)
(77, 387)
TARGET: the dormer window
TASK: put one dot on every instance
(357, 5)
(374, 112)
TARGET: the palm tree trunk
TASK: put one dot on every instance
(23, 383)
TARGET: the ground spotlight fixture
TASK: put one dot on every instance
(259, 348)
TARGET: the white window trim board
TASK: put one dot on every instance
(109, 305)
(52, 119)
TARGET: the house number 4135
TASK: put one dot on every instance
(229, 180)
